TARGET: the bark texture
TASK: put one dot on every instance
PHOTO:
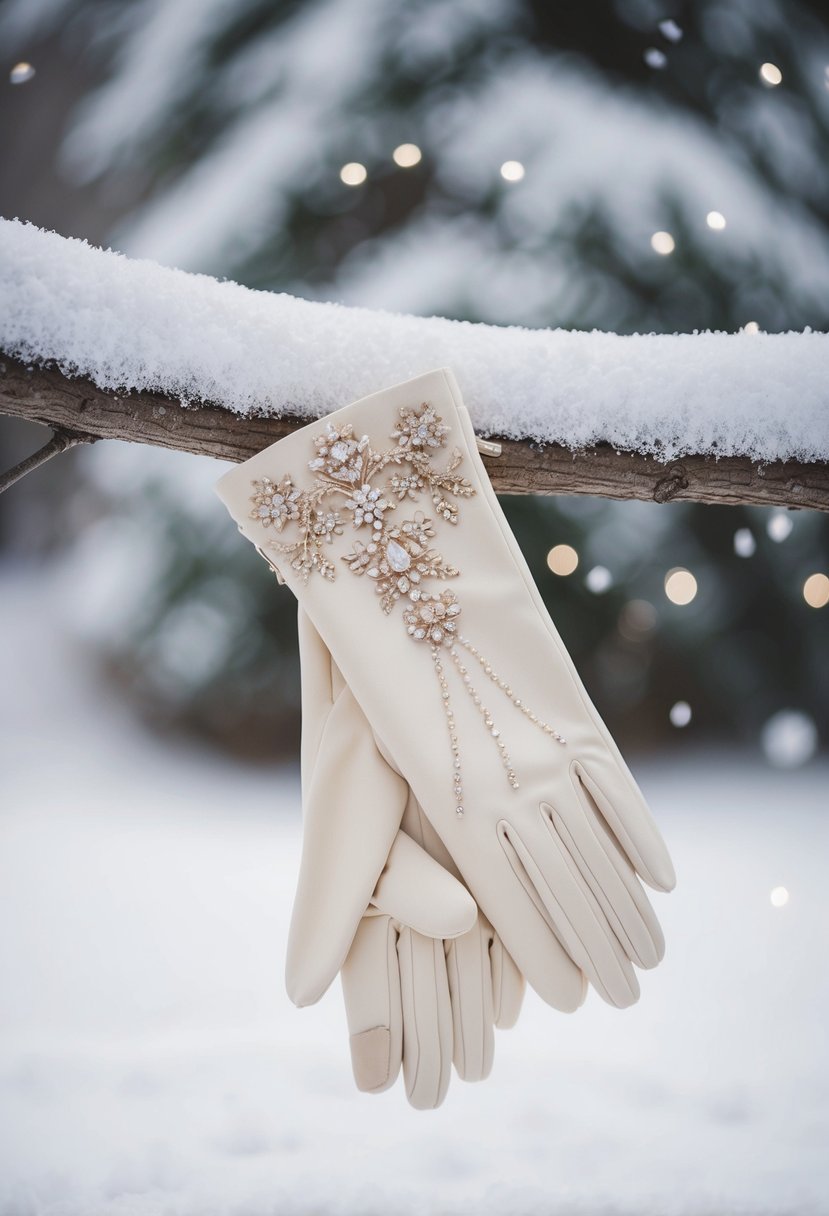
(77, 406)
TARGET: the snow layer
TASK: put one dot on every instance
(136, 325)
(151, 1063)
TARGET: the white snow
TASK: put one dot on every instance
(151, 1063)
(136, 325)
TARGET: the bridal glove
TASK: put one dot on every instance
(382, 521)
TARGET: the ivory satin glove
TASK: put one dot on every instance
(424, 977)
(382, 521)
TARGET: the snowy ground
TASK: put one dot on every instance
(150, 1062)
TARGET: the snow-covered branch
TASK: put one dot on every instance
(124, 349)
(76, 405)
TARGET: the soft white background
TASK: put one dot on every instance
(151, 1063)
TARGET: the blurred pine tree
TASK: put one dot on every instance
(221, 130)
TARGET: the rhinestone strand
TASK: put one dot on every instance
(502, 684)
(457, 783)
(487, 717)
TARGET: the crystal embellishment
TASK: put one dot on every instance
(397, 558)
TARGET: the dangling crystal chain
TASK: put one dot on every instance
(505, 688)
(457, 782)
(487, 716)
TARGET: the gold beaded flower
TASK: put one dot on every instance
(326, 525)
(275, 504)
(433, 617)
(339, 454)
(420, 428)
(368, 506)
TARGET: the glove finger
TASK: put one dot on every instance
(609, 875)
(427, 1019)
(353, 809)
(550, 875)
(509, 900)
(414, 890)
(507, 985)
(628, 817)
(473, 1016)
(530, 945)
(373, 1005)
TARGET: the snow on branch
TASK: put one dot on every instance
(640, 416)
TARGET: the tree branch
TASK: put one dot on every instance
(76, 405)
(61, 441)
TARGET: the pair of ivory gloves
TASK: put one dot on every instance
(468, 820)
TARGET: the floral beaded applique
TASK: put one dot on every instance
(397, 557)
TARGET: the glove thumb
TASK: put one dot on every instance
(416, 891)
(352, 815)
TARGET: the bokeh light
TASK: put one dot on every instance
(779, 526)
(771, 75)
(598, 580)
(680, 586)
(562, 559)
(744, 543)
(715, 220)
(816, 590)
(663, 243)
(670, 30)
(405, 156)
(789, 738)
(655, 58)
(637, 619)
(680, 714)
(353, 174)
(21, 72)
(512, 171)
(779, 897)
